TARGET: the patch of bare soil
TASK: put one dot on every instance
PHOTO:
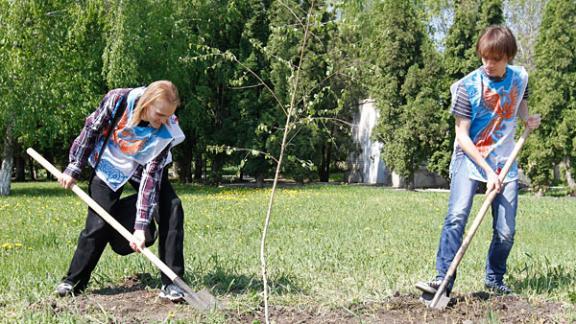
(134, 302)
(478, 307)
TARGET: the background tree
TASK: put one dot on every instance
(439, 15)
(553, 96)
(312, 146)
(524, 18)
(219, 89)
(46, 85)
(125, 44)
(59, 57)
(491, 13)
(471, 17)
(395, 46)
(459, 56)
(255, 104)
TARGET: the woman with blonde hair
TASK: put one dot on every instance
(128, 140)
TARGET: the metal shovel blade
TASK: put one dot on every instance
(441, 303)
(202, 300)
(428, 294)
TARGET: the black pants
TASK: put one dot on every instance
(97, 233)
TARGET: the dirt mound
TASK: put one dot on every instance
(478, 307)
(136, 301)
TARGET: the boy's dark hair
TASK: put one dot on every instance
(497, 41)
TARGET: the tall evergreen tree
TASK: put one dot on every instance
(255, 103)
(395, 46)
(554, 96)
(459, 56)
(491, 13)
(471, 17)
(414, 127)
(222, 106)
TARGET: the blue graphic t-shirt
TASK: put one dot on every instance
(493, 115)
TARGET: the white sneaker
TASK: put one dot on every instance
(172, 292)
(64, 288)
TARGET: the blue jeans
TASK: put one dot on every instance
(462, 190)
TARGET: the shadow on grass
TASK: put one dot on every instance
(222, 282)
(109, 291)
(42, 191)
(478, 295)
(136, 282)
(200, 189)
(219, 281)
(52, 189)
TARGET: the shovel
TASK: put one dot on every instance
(202, 300)
(440, 300)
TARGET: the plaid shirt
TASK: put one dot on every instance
(149, 176)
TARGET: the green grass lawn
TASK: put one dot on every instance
(328, 245)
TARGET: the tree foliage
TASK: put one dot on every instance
(402, 56)
(234, 63)
(49, 71)
(553, 96)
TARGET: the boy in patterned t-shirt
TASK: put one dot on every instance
(486, 105)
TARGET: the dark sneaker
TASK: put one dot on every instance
(498, 288)
(429, 287)
(172, 292)
(64, 289)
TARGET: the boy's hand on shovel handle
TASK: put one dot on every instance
(66, 181)
(494, 183)
(140, 239)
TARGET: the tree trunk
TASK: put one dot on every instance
(259, 180)
(198, 167)
(410, 181)
(324, 171)
(20, 164)
(50, 157)
(569, 177)
(32, 169)
(216, 170)
(183, 166)
(7, 162)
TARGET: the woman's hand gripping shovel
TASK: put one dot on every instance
(201, 300)
(441, 300)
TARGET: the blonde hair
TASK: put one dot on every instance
(157, 90)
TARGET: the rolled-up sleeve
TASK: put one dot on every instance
(149, 191)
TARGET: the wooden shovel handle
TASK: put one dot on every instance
(104, 214)
(203, 301)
